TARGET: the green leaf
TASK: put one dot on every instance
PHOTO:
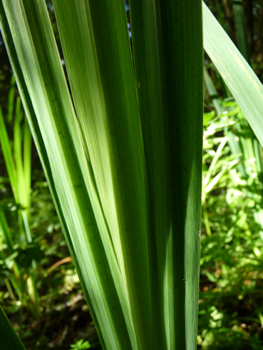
(79, 345)
(9, 338)
(236, 72)
(169, 91)
(101, 78)
(49, 108)
(123, 164)
(8, 156)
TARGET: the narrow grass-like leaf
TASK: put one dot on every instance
(6, 232)
(98, 159)
(213, 93)
(170, 96)
(241, 30)
(22, 184)
(181, 27)
(245, 87)
(8, 156)
(27, 145)
(147, 53)
(49, 108)
(9, 338)
(214, 161)
(11, 99)
(238, 75)
(103, 87)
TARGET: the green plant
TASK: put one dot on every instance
(243, 145)
(102, 168)
(9, 338)
(231, 243)
(123, 164)
(80, 345)
(19, 252)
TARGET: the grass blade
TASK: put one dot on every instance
(241, 30)
(64, 160)
(6, 232)
(167, 109)
(8, 156)
(9, 338)
(238, 75)
(114, 139)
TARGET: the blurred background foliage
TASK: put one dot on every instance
(39, 288)
(230, 305)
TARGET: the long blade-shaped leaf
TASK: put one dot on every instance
(40, 74)
(242, 82)
(9, 338)
(103, 88)
(148, 74)
(8, 156)
(238, 75)
(128, 197)
(183, 66)
(167, 42)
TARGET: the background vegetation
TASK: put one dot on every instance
(44, 300)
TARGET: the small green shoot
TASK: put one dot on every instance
(80, 345)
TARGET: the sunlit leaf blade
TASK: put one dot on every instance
(169, 88)
(27, 145)
(40, 74)
(183, 67)
(147, 50)
(245, 87)
(128, 196)
(9, 338)
(238, 75)
(100, 71)
(5, 231)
